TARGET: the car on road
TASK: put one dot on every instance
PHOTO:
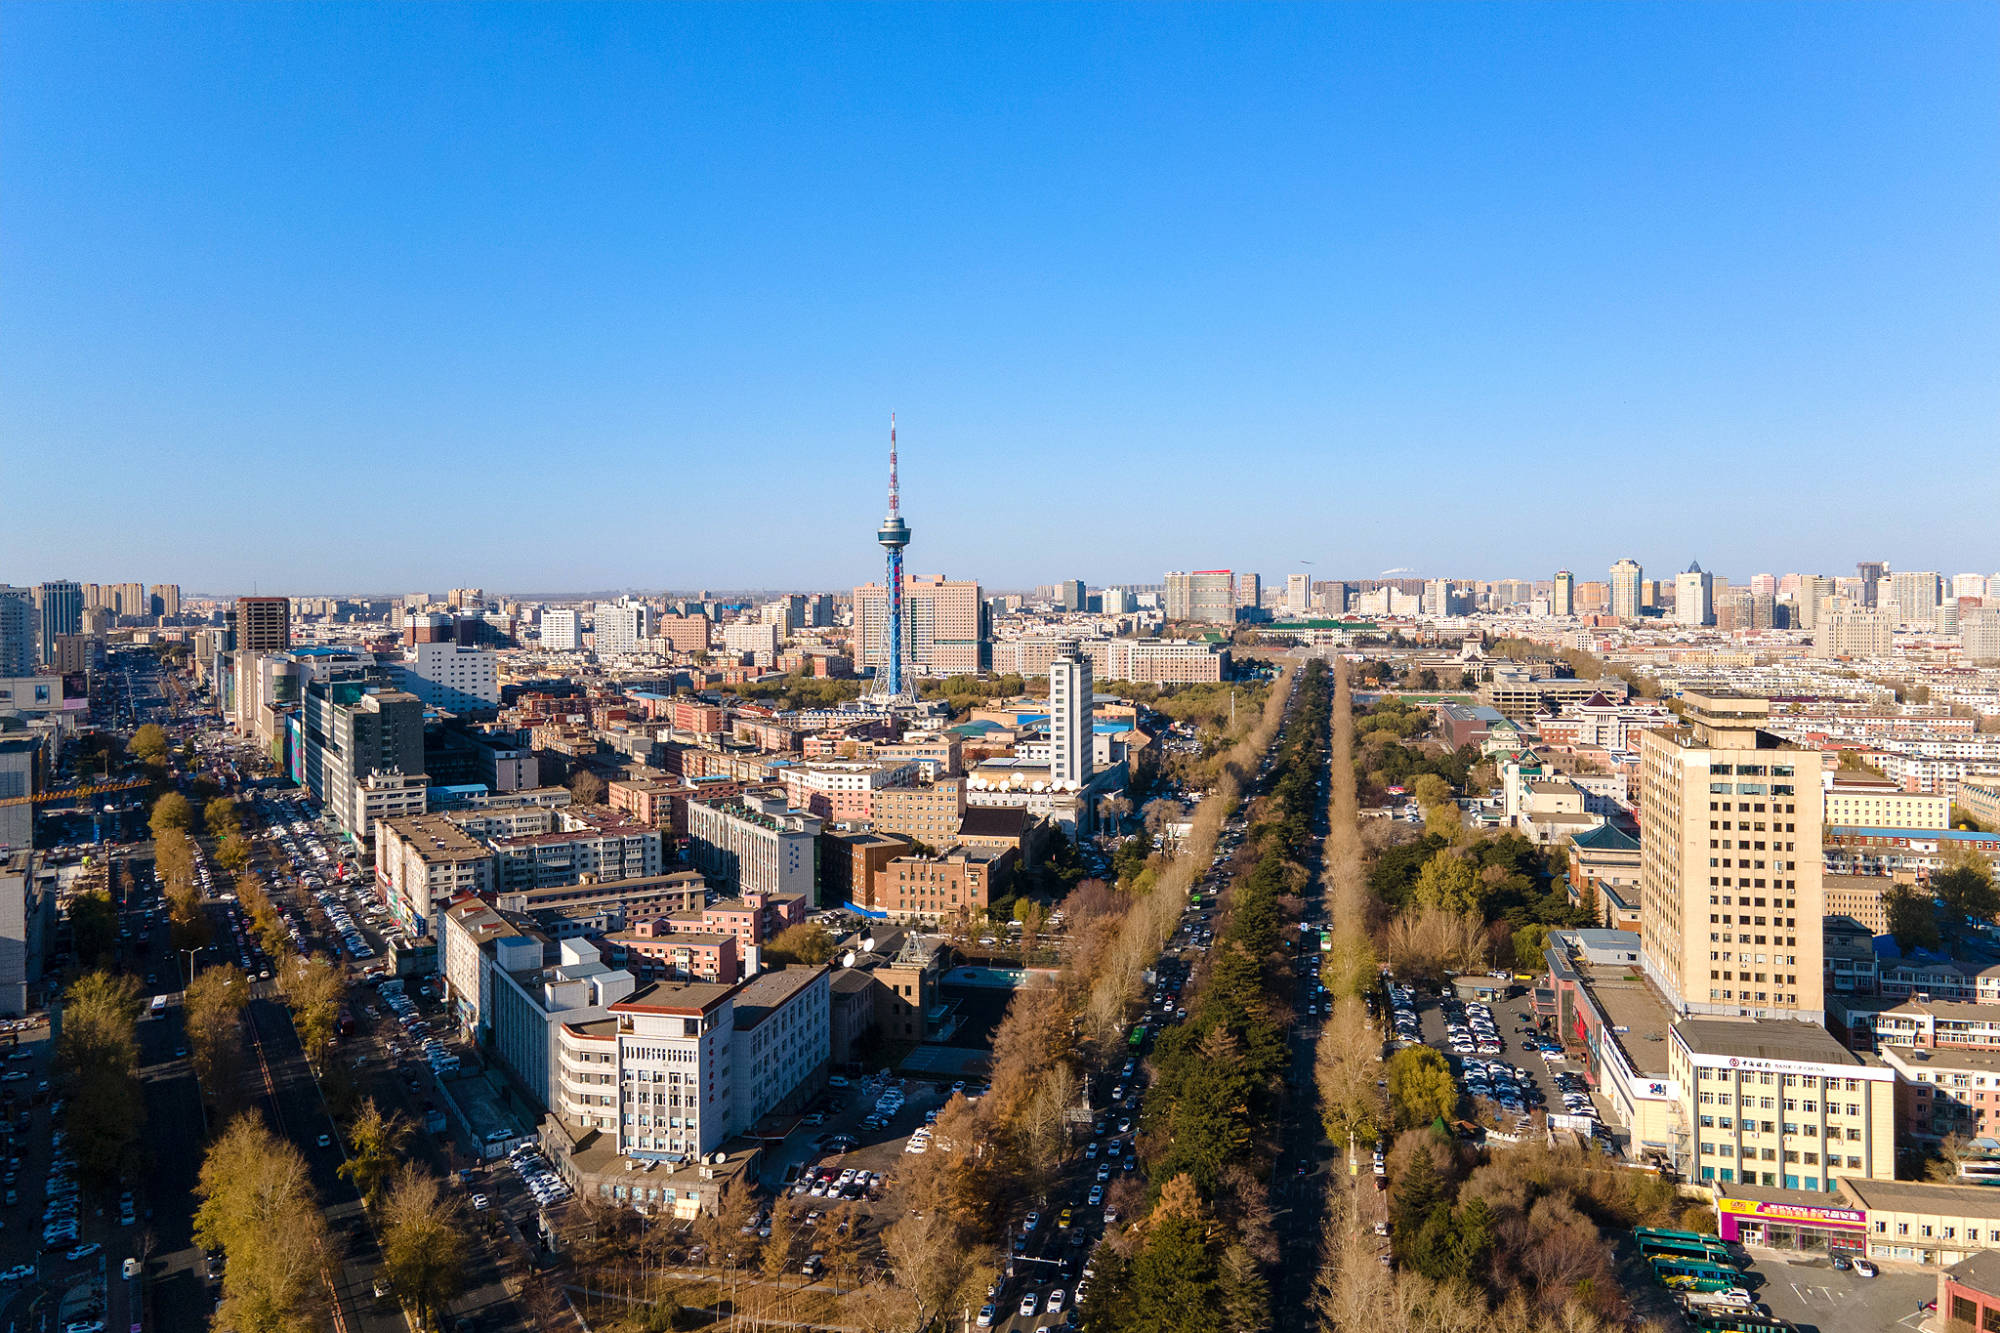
(987, 1316)
(480, 1203)
(18, 1273)
(83, 1251)
(130, 1269)
(1030, 1304)
(326, 1140)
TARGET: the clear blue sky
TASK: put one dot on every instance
(549, 297)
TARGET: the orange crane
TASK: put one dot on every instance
(69, 793)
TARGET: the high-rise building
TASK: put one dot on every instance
(1626, 576)
(1206, 595)
(1250, 590)
(621, 627)
(164, 600)
(17, 631)
(1979, 633)
(450, 676)
(1730, 888)
(1814, 589)
(1968, 585)
(1694, 593)
(263, 624)
(1562, 600)
(61, 606)
(944, 626)
(1914, 595)
(1870, 573)
(559, 631)
(1070, 594)
(1298, 595)
(1071, 709)
(463, 597)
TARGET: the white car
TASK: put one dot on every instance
(1863, 1268)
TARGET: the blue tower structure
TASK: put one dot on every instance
(894, 535)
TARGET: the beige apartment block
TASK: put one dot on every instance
(1730, 889)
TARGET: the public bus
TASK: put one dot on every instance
(1694, 1274)
(1138, 1037)
(1705, 1248)
(1693, 1244)
(158, 1007)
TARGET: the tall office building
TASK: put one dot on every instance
(1914, 595)
(17, 631)
(1562, 599)
(1814, 590)
(1206, 595)
(1250, 590)
(1871, 572)
(1626, 576)
(263, 624)
(1070, 594)
(1730, 889)
(945, 626)
(1979, 633)
(559, 631)
(61, 606)
(1968, 585)
(1298, 595)
(450, 676)
(1071, 708)
(1694, 595)
(622, 627)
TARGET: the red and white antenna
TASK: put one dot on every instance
(892, 463)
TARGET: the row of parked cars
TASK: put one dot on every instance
(825, 1182)
(441, 1058)
(1470, 1029)
(59, 1214)
(547, 1187)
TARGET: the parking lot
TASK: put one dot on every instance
(1819, 1299)
(1533, 1084)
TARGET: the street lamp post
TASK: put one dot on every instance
(188, 975)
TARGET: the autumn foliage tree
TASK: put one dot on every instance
(424, 1244)
(212, 1011)
(259, 1207)
(97, 1054)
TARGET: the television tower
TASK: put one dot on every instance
(894, 535)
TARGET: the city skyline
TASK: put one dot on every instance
(1270, 285)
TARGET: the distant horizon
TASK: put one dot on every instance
(590, 295)
(1271, 581)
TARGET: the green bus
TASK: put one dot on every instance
(1138, 1037)
(1706, 1248)
(1694, 1274)
(1665, 1233)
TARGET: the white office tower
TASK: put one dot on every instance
(1071, 708)
(1694, 596)
(621, 627)
(560, 633)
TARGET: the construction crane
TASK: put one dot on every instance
(70, 793)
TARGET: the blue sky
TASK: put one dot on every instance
(553, 297)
